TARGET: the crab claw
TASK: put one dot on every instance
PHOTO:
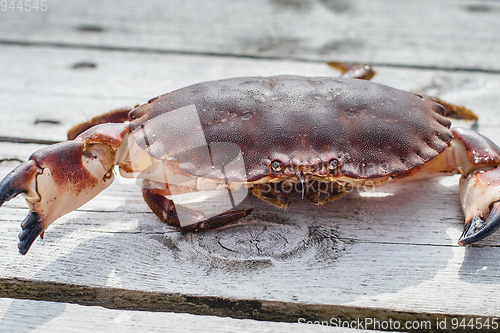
(480, 197)
(55, 181)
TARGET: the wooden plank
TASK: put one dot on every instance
(43, 96)
(54, 317)
(47, 96)
(388, 254)
(393, 250)
(361, 252)
(446, 34)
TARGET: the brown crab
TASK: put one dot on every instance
(212, 142)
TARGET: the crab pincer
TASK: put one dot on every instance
(480, 198)
(55, 181)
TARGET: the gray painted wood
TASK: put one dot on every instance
(416, 33)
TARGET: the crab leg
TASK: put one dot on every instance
(166, 211)
(115, 116)
(354, 71)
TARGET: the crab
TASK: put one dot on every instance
(201, 149)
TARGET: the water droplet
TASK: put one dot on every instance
(247, 116)
(351, 113)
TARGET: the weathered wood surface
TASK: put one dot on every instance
(397, 251)
(44, 95)
(71, 318)
(388, 254)
(452, 34)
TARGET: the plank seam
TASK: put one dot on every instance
(231, 55)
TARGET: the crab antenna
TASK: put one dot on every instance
(312, 174)
(301, 178)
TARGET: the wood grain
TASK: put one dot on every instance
(44, 96)
(448, 34)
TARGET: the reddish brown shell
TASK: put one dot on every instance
(371, 129)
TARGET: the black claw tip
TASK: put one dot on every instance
(478, 228)
(7, 189)
(9, 186)
(31, 229)
(248, 212)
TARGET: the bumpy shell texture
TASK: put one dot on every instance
(371, 130)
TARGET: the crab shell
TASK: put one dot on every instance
(300, 122)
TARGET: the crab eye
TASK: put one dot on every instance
(277, 166)
(333, 165)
